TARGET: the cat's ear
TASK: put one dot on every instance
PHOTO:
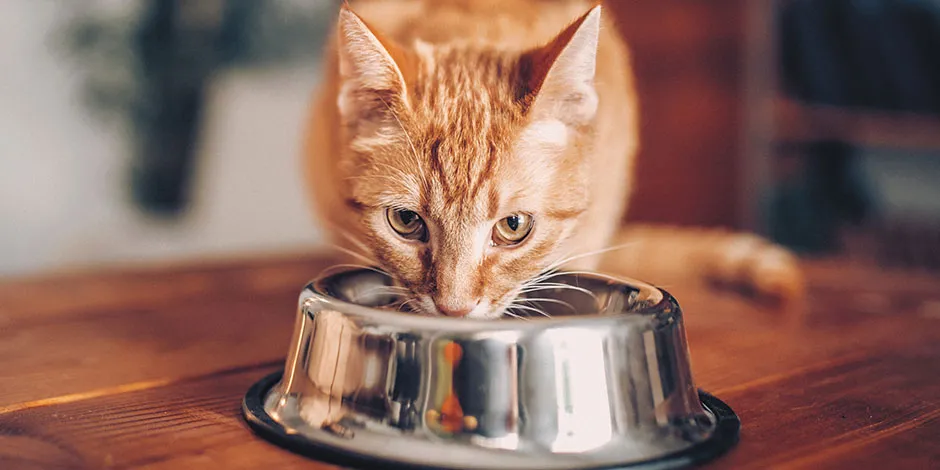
(558, 78)
(371, 70)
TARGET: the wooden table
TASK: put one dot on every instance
(147, 368)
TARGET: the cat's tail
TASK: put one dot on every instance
(666, 255)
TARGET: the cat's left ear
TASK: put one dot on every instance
(371, 71)
(558, 78)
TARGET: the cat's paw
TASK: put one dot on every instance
(767, 270)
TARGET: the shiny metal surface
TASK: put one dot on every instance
(605, 381)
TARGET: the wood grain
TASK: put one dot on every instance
(74, 334)
(131, 377)
(177, 426)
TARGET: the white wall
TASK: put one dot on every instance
(63, 195)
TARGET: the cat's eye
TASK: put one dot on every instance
(407, 223)
(512, 230)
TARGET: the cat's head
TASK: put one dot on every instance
(466, 164)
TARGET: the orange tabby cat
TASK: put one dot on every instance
(465, 147)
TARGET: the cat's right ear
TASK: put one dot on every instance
(370, 70)
(558, 78)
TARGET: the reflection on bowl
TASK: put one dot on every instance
(604, 382)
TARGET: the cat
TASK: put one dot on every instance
(466, 147)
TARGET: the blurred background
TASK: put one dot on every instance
(153, 130)
(143, 131)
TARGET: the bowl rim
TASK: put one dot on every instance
(663, 307)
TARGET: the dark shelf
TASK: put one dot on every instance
(803, 122)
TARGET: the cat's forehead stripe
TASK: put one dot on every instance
(466, 103)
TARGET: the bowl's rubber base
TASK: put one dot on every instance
(726, 435)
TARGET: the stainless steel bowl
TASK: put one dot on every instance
(604, 382)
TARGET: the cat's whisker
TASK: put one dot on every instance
(526, 285)
(508, 310)
(356, 255)
(391, 290)
(550, 286)
(394, 288)
(540, 277)
(513, 315)
(414, 151)
(589, 254)
(349, 237)
(558, 262)
(531, 309)
(386, 290)
(542, 289)
(589, 273)
(335, 267)
(547, 300)
(406, 303)
(352, 239)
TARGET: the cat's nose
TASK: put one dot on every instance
(458, 310)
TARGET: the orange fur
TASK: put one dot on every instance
(466, 112)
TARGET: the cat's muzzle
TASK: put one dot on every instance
(603, 382)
